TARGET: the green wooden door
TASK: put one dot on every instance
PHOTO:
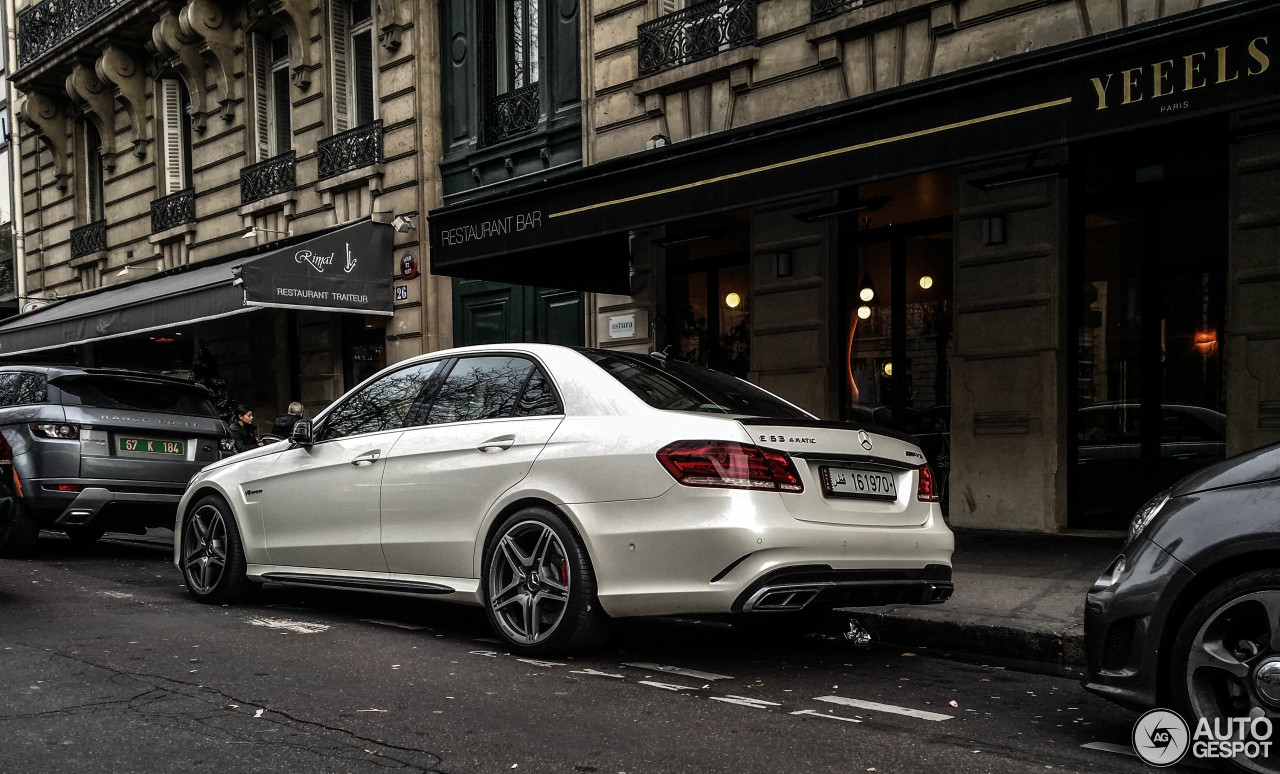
(493, 313)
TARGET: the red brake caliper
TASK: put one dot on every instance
(564, 572)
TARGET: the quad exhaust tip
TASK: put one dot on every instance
(785, 599)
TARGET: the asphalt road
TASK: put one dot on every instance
(106, 665)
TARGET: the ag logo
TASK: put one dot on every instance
(1160, 737)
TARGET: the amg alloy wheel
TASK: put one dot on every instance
(1226, 658)
(213, 561)
(539, 587)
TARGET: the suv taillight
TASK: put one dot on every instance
(927, 489)
(66, 432)
(226, 445)
(730, 465)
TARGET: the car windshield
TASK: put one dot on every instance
(135, 394)
(673, 385)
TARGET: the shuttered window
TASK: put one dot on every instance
(94, 173)
(517, 51)
(176, 134)
(271, 94)
(354, 86)
(669, 6)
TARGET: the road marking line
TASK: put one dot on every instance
(746, 702)
(668, 686)
(680, 671)
(593, 673)
(297, 627)
(1111, 748)
(874, 706)
(536, 662)
(396, 624)
(116, 594)
(817, 714)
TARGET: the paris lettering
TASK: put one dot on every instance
(1198, 70)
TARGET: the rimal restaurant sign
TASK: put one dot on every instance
(348, 270)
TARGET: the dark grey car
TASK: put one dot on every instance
(92, 450)
(1188, 616)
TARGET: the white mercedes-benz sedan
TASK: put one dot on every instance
(559, 488)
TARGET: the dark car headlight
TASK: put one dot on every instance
(1147, 513)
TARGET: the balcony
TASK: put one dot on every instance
(350, 150)
(48, 23)
(276, 175)
(88, 240)
(698, 32)
(820, 10)
(512, 114)
(173, 210)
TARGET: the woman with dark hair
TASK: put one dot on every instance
(243, 431)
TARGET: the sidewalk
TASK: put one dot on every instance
(1018, 595)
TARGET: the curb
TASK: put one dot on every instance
(909, 627)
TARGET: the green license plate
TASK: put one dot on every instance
(152, 446)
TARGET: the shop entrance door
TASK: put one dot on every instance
(495, 313)
(1149, 228)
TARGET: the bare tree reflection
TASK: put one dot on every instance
(480, 388)
(382, 405)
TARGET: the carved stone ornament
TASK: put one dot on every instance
(49, 117)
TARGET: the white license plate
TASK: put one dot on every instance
(859, 482)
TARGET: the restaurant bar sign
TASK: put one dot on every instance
(348, 270)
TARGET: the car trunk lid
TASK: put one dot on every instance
(852, 474)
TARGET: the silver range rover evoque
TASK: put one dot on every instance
(87, 451)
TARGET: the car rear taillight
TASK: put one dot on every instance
(730, 465)
(65, 432)
(927, 489)
(226, 445)
(63, 487)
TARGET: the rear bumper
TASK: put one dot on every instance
(699, 554)
(105, 504)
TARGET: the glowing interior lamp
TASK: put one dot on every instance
(864, 312)
(866, 294)
(926, 282)
(732, 300)
(888, 368)
(1206, 340)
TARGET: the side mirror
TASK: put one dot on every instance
(301, 433)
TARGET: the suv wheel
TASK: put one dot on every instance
(18, 528)
(539, 588)
(213, 563)
(1226, 656)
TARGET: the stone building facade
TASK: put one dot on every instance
(160, 138)
(1038, 235)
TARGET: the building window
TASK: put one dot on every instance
(271, 93)
(354, 71)
(94, 173)
(176, 134)
(516, 52)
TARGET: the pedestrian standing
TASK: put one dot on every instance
(284, 423)
(243, 431)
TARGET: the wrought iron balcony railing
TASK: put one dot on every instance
(173, 210)
(90, 239)
(46, 24)
(698, 32)
(826, 9)
(513, 113)
(352, 149)
(278, 174)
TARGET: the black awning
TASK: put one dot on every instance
(1207, 61)
(348, 270)
(201, 293)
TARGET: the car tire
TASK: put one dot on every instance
(1222, 640)
(19, 530)
(539, 587)
(85, 535)
(213, 563)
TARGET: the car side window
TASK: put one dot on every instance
(480, 388)
(381, 405)
(538, 398)
(22, 389)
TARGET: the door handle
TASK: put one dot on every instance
(501, 443)
(368, 458)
